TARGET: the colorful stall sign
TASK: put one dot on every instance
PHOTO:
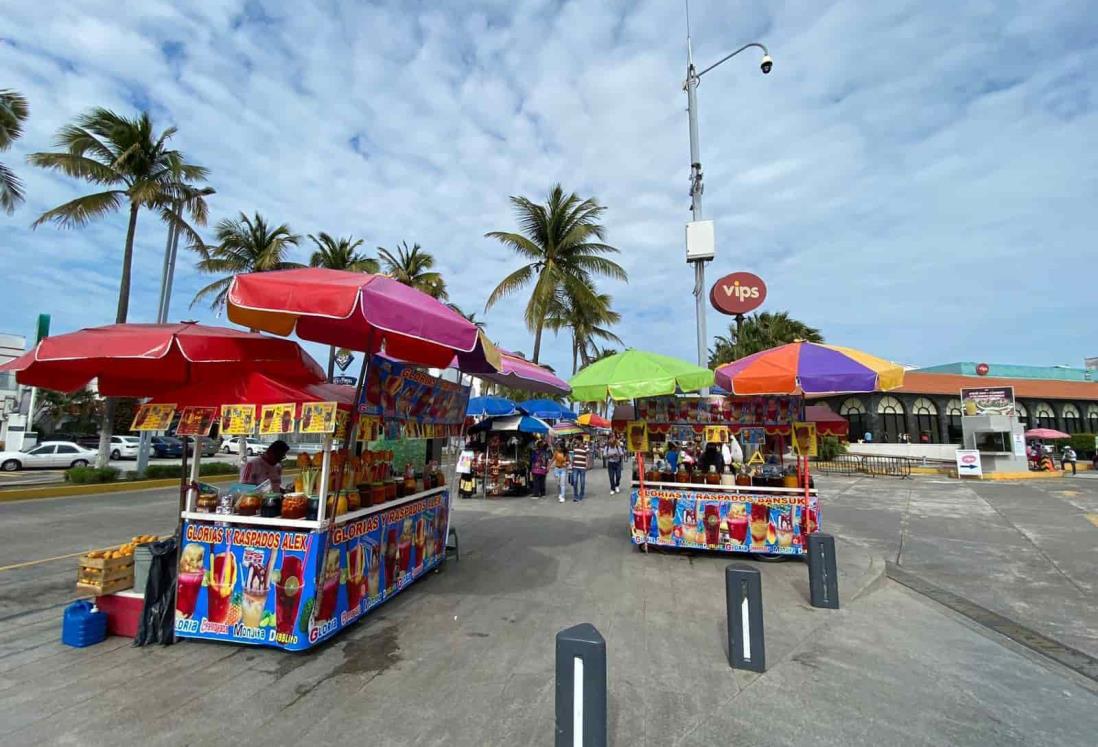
(636, 435)
(395, 391)
(342, 420)
(988, 400)
(773, 412)
(754, 443)
(153, 418)
(275, 419)
(776, 524)
(196, 421)
(716, 434)
(318, 417)
(237, 420)
(292, 590)
(804, 439)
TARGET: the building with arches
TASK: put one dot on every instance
(928, 406)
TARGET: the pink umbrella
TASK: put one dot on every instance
(519, 373)
(1049, 433)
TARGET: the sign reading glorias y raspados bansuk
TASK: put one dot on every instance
(738, 293)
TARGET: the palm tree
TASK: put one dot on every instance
(13, 113)
(563, 242)
(243, 245)
(413, 268)
(138, 168)
(760, 331)
(339, 254)
(588, 322)
(471, 316)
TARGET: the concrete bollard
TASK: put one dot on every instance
(823, 572)
(581, 687)
(746, 642)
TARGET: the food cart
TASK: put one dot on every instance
(501, 452)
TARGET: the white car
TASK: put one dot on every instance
(124, 447)
(231, 445)
(56, 454)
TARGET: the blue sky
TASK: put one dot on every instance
(917, 179)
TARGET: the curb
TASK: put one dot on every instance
(67, 491)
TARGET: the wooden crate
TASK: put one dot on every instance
(97, 576)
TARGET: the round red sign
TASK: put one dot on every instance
(738, 293)
(982, 369)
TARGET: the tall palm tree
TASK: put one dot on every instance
(243, 245)
(13, 113)
(588, 323)
(762, 330)
(563, 242)
(413, 267)
(471, 316)
(339, 254)
(138, 169)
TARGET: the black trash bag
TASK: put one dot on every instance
(158, 617)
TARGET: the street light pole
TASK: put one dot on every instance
(693, 78)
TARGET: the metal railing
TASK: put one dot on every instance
(874, 466)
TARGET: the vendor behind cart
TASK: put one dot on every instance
(266, 466)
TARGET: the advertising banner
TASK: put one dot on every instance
(773, 412)
(237, 420)
(988, 400)
(775, 524)
(291, 589)
(275, 419)
(636, 434)
(716, 434)
(318, 417)
(395, 391)
(968, 463)
(804, 439)
(153, 418)
(196, 421)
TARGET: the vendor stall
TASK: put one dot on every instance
(500, 449)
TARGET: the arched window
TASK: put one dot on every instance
(854, 411)
(1043, 416)
(926, 420)
(890, 414)
(1092, 419)
(1072, 419)
(1022, 413)
(953, 413)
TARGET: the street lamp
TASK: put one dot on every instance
(693, 78)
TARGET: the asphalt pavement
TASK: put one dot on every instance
(465, 657)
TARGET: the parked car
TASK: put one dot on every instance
(231, 445)
(56, 454)
(124, 447)
(167, 447)
(209, 447)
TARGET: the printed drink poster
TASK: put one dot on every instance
(237, 420)
(395, 391)
(153, 418)
(636, 435)
(276, 419)
(988, 400)
(716, 434)
(318, 417)
(804, 439)
(293, 589)
(196, 421)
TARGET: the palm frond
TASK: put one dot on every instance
(77, 166)
(510, 284)
(80, 211)
(11, 190)
(13, 113)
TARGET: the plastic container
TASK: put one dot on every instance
(83, 625)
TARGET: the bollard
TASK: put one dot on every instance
(823, 573)
(581, 687)
(746, 644)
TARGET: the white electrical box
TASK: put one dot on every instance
(700, 241)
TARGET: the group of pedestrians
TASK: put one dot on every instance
(570, 462)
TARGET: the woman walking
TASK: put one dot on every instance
(560, 469)
(614, 455)
(539, 465)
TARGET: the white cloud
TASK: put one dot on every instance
(917, 179)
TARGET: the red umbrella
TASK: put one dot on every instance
(359, 311)
(140, 360)
(254, 388)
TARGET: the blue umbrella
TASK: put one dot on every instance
(520, 423)
(486, 406)
(547, 409)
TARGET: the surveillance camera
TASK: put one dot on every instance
(767, 63)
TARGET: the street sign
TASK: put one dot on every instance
(344, 358)
(43, 330)
(344, 380)
(738, 293)
(968, 463)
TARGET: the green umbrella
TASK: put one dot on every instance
(635, 374)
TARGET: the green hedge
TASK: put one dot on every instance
(830, 447)
(1083, 443)
(161, 471)
(85, 475)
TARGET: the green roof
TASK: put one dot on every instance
(1011, 371)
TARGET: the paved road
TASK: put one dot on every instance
(466, 657)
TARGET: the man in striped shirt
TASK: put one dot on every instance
(581, 462)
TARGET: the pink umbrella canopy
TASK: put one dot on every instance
(1049, 433)
(519, 373)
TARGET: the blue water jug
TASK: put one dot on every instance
(83, 625)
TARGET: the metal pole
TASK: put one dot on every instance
(696, 189)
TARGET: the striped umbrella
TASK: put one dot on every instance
(809, 368)
(567, 429)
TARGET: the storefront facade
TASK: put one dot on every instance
(928, 406)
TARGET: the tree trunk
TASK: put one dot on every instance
(537, 339)
(575, 355)
(106, 425)
(331, 362)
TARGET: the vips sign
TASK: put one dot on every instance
(738, 293)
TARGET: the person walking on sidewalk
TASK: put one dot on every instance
(560, 469)
(581, 461)
(614, 456)
(539, 465)
(1067, 456)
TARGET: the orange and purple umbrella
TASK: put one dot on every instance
(809, 368)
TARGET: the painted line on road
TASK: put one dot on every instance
(1062, 654)
(1092, 518)
(29, 563)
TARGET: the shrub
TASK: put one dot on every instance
(164, 471)
(830, 447)
(85, 475)
(1083, 443)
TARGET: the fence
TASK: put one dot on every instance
(874, 466)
